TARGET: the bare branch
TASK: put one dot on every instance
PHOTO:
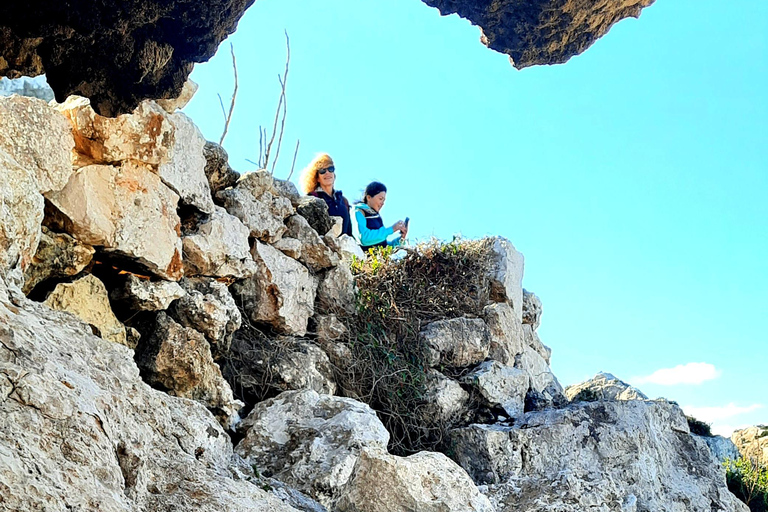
(234, 97)
(294, 159)
(281, 100)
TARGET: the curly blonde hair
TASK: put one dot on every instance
(308, 178)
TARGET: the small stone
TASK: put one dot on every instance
(220, 175)
(531, 309)
(188, 90)
(145, 295)
(58, 255)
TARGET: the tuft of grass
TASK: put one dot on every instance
(699, 427)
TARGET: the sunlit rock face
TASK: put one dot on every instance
(535, 32)
(116, 53)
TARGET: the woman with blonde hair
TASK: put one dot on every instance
(317, 180)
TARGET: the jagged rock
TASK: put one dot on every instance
(254, 201)
(507, 274)
(126, 210)
(545, 390)
(423, 482)
(281, 292)
(38, 138)
(289, 246)
(722, 448)
(500, 386)
(457, 342)
(531, 309)
(287, 190)
(118, 53)
(305, 366)
(87, 299)
(314, 253)
(145, 295)
(171, 105)
(532, 340)
(603, 386)
(310, 441)
(79, 430)
(36, 87)
(507, 336)
(209, 308)
(329, 328)
(620, 455)
(542, 31)
(58, 255)
(338, 225)
(752, 442)
(445, 400)
(178, 360)
(336, 292)
(220, 175)
(350, 248)
(315, 210)
(219, 248)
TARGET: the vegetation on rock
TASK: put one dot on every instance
(748, 480)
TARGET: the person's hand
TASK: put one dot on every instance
(404, 234)
(399, 226)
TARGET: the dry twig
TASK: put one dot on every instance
(228, 117)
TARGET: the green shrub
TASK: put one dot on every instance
(748, 480)
(698, 427)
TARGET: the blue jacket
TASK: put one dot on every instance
(371, 228)
(338, 206)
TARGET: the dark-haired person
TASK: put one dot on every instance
(317, 180)
(369, 222)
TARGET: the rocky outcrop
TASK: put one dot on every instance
(541, 31)
(500, 386)
(603, 386)
(532, 309)
(752, 442)
(457, 342)
(315, 210)
(507, 336)
(722, 448)
(506, 274)
(313, 253)
(220, 175)
(619, 455)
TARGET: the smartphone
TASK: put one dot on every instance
(407, 220)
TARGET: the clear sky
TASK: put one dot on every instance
(634, 178)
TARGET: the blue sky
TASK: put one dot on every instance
(633, 178)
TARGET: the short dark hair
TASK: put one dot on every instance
(374, 188)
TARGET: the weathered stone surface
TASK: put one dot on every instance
(287, 190)
(545, 389)
(752, 442)
(722, 448)
(38, 138)
(305, 366)
(603, 386)
(254, 201)
(58, 255)
(310, 441)
(220, 175)
(533, 341)
(209, 308)
(329, 327)
(532, 309)
(350, 248)
(126, 210)
(20, 215)
(289, 246)
(500, 386)
(171, 105)
(219, 248)
(507, 336)
(445, 400)
(79, 430)
(87, 299)
(507, 274)
(542, 31)
(281, 292)
(337, 291)
(178, 360)
(314, 253)
(457, 342)
(619, 455)
(315, 211)
(117, 53)
(423, 482)
(36, 87)
(145, 295)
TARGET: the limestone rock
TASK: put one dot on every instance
(38, 138)
(178, 360)
(315, 210)
(126, 210)
(545, 389)
(305, 367)
(58, 255)
(281, 292)
(287, 190)
(531, 309)
(350, 248)
(603, 386)
(337, 291)
(87, 299)
(219, 248)
(533, 341)
(507, 336)
(171, 105)
(457, 342)
(500, 386)
(445, 399)
(609, 455)
(220, 175)
(310, 441)
(289, 246)
(423, 482)
(722, 448)
(36, 87)
(752, 442)
(507, 274)
(314, 253)
(329, 327)
(79, 430)
(209, 308)
(257, 204)
(145, 295)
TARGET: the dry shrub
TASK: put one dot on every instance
(396, 299)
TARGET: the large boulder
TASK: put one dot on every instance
(609, 455)
(445, 401)
(603, 386)
(722, 448)
(281, 292)
(315, 210)
(506, 274)
(456, 342)
(752, 442)
(314, 253)
(126, 210)
(532, 309)
(500, 385)
(141, 294)
(310, 441)
(532, 340)
(545, 390)
(507, 335)
(58, 255)
(87, 299)
(79, 430)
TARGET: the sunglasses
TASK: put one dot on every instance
(328, 169)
